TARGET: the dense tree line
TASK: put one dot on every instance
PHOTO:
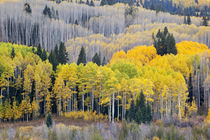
(166, 6)
(165, 43)
(30, 88)
(69, 21)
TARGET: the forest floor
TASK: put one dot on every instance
(38, 122)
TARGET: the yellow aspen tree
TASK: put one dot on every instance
(208, 117)
(28, 78)
(2, 112)
(48, 102)
(8, 110)
(58, 92)
(28, 108)
(35, 108)
(192, 108)
(82, 82)
(91, 70)
(3, 84)
(16, 113)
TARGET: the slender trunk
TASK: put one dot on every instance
(83, 106)
(100, 98)
(122, 105)
(92, 102)
(198, 90)
(110, 108)
(161, 107)
(44, 105)
(170, 104)
(1, 96)
(8, 86)
(113, 107)
(99, 105)
(167, 109)
(59, 108)
(179, 104)
(118, 107)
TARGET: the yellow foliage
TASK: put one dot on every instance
(208, 117)
(87, 115)
(155, 138)
(191, 48)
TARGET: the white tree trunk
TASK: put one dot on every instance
(83, 105)
(113, 107)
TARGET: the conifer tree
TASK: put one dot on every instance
(53, 60)
(205, 21)
(131, 116)
(103, 2)
(87, 2)
(47, 11)
(148, 114)
(80, 1)
(39, 51)
(188, 20)
(82, 57)
(142, 113)
(56, 50)
(44, 55)
(27, 8)
(96, 59)
(104, 61)
(62, 55)
(33, 49)
(92, 3)
(13, 53)
(164, 43)
(49, 120)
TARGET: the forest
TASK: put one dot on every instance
(75, 69)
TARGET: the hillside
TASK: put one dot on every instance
(109, 69)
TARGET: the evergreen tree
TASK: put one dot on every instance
(96, 59)
(141, 109)
(137, 4)
(164, 43)
(62, 55)
(56, 52)
(27, 8)
(188, 20)
(82, 57)
(131, 3)
(87, 2)
(81, 2)
(171, 48)
(152, 7)
(148, 114)
(131, 116)
(205, 21)
(39, 51)
(49, 120)
(103, 2)
(47, 11)
(44, 55)
(53, 60)
(33, 49)
(76, 22)
(92, 3)
(104, 61)
(13, 53)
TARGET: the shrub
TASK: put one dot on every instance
(49, 120)
(87, 116)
